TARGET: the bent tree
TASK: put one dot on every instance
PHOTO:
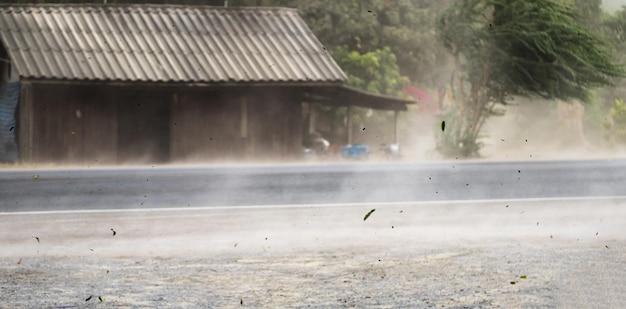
(507, 48)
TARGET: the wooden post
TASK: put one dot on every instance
(25, 123)
(349, 124)
(395, 126)
(312, 117)
(174, 143)
(244, 117)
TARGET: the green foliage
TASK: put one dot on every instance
(375, 71)
(507, 48)
(615, 125)
(545, 52)
(405, 26)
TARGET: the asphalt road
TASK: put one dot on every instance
(566, 251)
(158, 187)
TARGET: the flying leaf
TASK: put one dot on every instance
(368, 214)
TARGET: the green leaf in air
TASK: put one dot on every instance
(368, 214)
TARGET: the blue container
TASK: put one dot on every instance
(355, 151)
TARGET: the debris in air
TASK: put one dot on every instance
(443, 126)
(114, 232)
(368, 214)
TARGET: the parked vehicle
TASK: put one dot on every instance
(390, 151)
(316, 146)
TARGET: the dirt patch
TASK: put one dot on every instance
(528, 255)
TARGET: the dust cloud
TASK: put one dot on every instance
(450, 254)
(258, 230)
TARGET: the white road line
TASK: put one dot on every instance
(375, 204)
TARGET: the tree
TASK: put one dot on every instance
(615, 124)
(376, 71)
(405, 26)
(508, 48)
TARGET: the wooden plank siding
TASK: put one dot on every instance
(99, 124)
(72, 124)
(275, 124)
(207, 125)
(143, 125)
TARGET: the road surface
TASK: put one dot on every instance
(558, 254)
(517, 235)
(43, 190)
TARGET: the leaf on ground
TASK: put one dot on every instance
(35, 177)
(241, 301)
(89, 298)
(100, 298)
(114, 232)
(443, 126)
(37, 238)
(368, 214)
(513, 282)
(523, 276)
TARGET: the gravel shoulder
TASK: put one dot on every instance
(572, 255)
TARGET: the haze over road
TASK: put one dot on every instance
(518, 235)
(148, 187)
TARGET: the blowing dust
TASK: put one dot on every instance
(530, 130)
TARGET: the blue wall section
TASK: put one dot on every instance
(9, 97)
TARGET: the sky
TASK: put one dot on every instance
(613, 5)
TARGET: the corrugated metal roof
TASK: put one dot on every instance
(162, 43)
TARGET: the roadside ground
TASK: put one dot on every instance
(498, 254)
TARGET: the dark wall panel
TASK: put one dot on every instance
(73, 125)
(143, 126)
(206, 126)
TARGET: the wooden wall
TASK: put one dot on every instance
(143, 117)
(275, 123)
(205, 126)
(208, 124)
(91, 124)
(72, 124)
